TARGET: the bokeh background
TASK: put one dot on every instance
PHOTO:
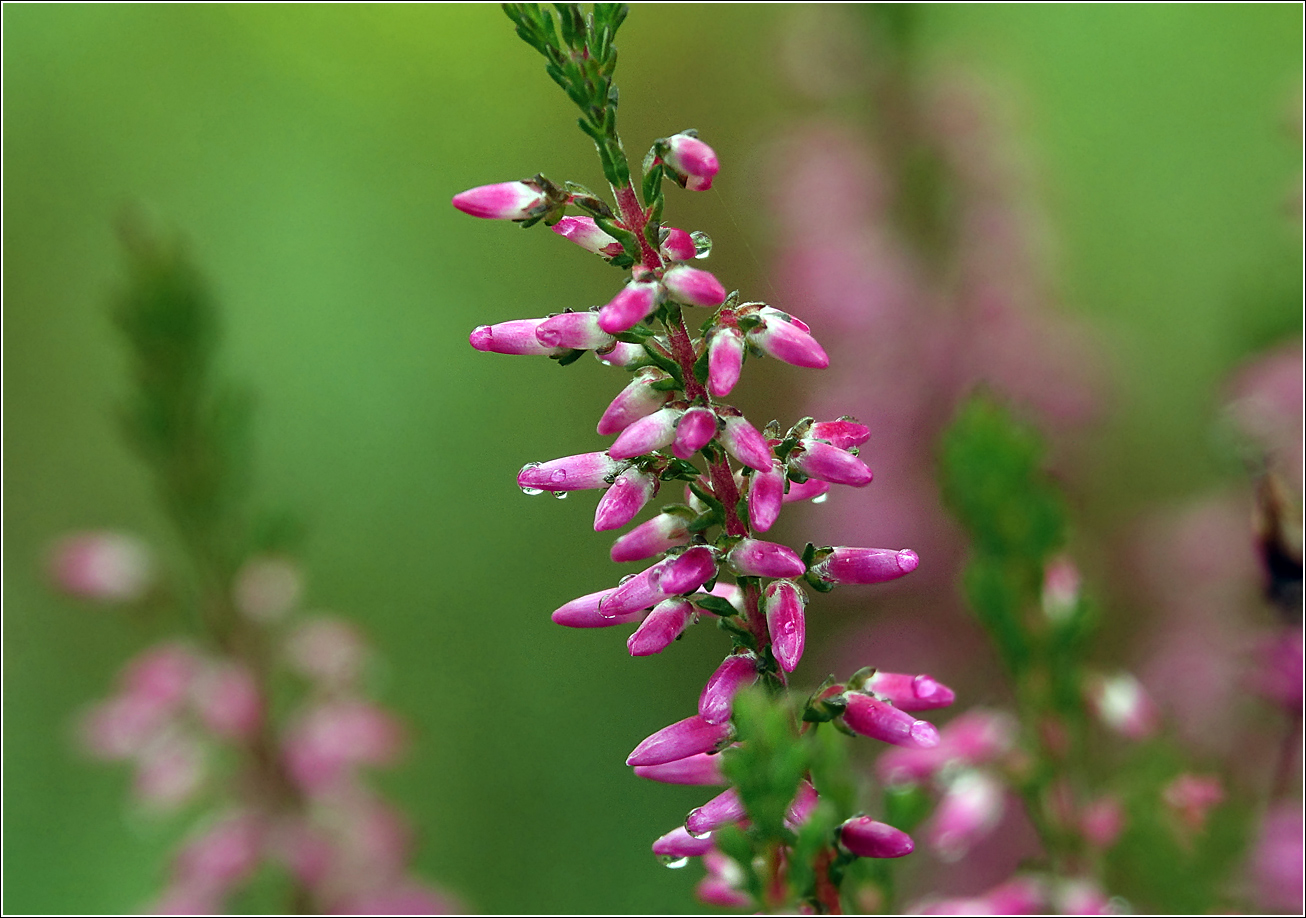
(308, 154)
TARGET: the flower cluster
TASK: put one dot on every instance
(670, 426)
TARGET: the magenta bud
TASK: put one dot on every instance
(766, 493)
(693, 159)
(843, 433)
(810, 489)
(638, 400)
(718, 694)
(570, 473)
(725, 360)
(504, 201)
(872, 717)
(585, 233)
(911, 693)
(621, 353)
(703, 769)
(829, 463)
(641, 591)
(785, 341)
(865, 837)
(801, 808)
(652, 537)
(679, 741)
(865, 565)
(689, 571)
(783, 604)
(583, 612)
(620, 503)
(967, 812)
(742, 440)
(770, 312)
(730, 592)
(679, 843)
(628, 308)
(573, 330)
(228, 701)
(647, 434)
(663, 625)
(515, 337)
(697, 426)
(693, 287)
(723, 809)
(106, 567)
(678, 246)
(755, 558)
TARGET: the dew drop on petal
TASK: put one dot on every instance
(558, 476)
(530, 492)
(821, 498)
(560, 495)
(673, 863)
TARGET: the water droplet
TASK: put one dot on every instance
(531, 492)
(692, 833)
(560, 495)
(672, 863)
(821, 498)
(789, 627)
(702, 244)
(557, 476)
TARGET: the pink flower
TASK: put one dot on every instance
(718, 694)
(696, 427)
(223, 855)
(974, 738)
(969, 811)
(670, 577)
(701, 769)
(1191, 797)
(621, 353)
(865, 837)
(662, 626)
(872, 717)
(267, 588)
(844, 433)
(652, 537)
(829, 463)
(725, 360)
(504, 201)
(785, 341)
(693, 287)
(911, 693)
(323, 746)
(678, 245)
(570, 473)
(104, 567)
(514, 337)
(783, 604)
(573, 330)
(742, 440)
(1276, 861)
(330, 651)
(1122, 704)
(408, 897)
(583, 612)
(679, 843)
(680, 740)
(585, 233)
(638, 400)
(654, 432)
(810, 489)
(228, 701)
(169, 771)
(766, 492)
(865, 565)
(723, 809)
(629, 307)
(692, 159)
(1101, 821)
(724, 884)
(621, 502)
(756, 558)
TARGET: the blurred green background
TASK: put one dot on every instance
(309, 153)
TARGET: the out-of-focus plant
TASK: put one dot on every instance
(787, 828)
(252, 718)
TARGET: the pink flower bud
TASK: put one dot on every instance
(731, 593)
(223, 855)
(105, 567)
(678, 246)
(786, 341)
(973, 738)
(122, 726)
(783, 603)
(723, 809)
(1018, 896)
(161, 675)
(513, 337)
(621, 354)
(1060, 589)
(865, 565)
(629, 307)
(504, 201)
(872, 717)
(228, 701)
(725, 360)
(693, 159)
(680, 740)
(327, 650)
(1123, 705)
(702, 769)
(652, 537)
(742, 440)
(630, 491)
(844, 433)
(724, 884)
(718, 694)
(829, 463)
(664, 624)
(406, 897)
(770, 312)
(641, 591)
(689, 570)
(800, 810)
(1102, 821)
(865, 837)
(1079, 897)
(766, 493)
(583, 612)
(968, 811)
(1276, 860)
(1191, 797)
(324, 745)
(573, 330)
(585, 233)
(679, 843)
(810, 489)
(647, 434)
(693, 287)
(697, 426)
(638, 400)
(911, 693)
(570, 473)
(755, 558)
(169, 772)
(1277, 677)
(267, 588)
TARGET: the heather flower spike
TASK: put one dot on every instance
(703, 557)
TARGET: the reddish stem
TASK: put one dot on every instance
(827, 894)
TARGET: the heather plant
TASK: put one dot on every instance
(789, 828)
(251, 719)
